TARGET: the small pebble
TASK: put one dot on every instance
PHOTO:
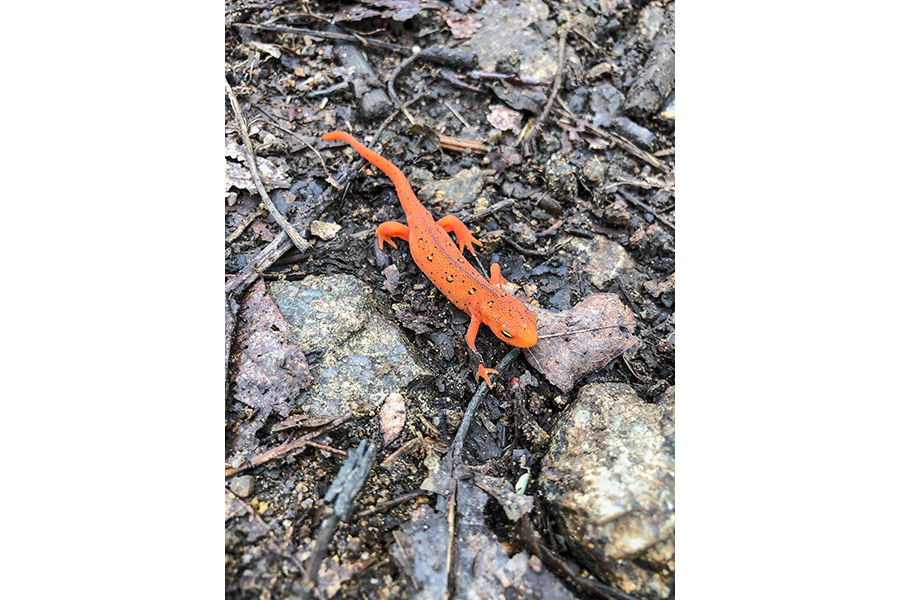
(242, 486)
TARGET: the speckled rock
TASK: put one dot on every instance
(609, 477)
(561, 178)
(457, 194)
(356, 356)
(603, 258)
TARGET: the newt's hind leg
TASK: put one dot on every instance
(464, 237)
(391, 229)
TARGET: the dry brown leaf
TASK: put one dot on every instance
(237, 174)
(505, 119)
(581, 340)
(269, 370)
(514, 505)
(393, 417)
(462, 27)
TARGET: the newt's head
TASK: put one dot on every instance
(511, 321)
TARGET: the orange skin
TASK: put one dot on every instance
(443, 263)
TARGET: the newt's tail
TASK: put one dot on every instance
(407, 199)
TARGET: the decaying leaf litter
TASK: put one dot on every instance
(578, 209)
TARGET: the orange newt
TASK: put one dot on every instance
(443, 263)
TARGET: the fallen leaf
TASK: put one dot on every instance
(269, 49)
(513, 504)
(262, 230)
(393, 417)
(398, 10)
(581, 340)
(237, 174)
(416, 322)
(268, 369)
(505, 119)
(461, 26)
(479, 559)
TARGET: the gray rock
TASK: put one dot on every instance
(457, 194)
(603, 258)
(360, 356)
(609, 477)
(522, 30)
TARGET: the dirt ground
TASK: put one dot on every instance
(471, 124)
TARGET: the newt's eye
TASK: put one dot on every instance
(506, 334)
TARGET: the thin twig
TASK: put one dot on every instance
(325, 448)
(459, 438)
(490, 210)
(461, 145)
(410, 445)
(397, 71)
(531, 540)
(329, 35)
(455, 113)
(631, 198)
(294, 135)
(628, 299)
(522, 249)
(390, 503)
(285, 225)
(568, 122)
(508, 77)
(287, 447)
(557, 82)
(576, 331)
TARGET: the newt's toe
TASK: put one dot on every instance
(382, 240)
(483, 373)
(466, 241)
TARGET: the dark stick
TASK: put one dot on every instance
(531, 540)
(340, 495)
(282, 221)
(456, 447)
(634, 200)
(610, 137)
(285, 448)
(391, 503)
(522, 249)
(628, 299)
(329, 35)
(557, 82)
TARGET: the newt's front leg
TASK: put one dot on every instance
(391, 229)
(464, 237)
(496, 278)
(474, 324)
